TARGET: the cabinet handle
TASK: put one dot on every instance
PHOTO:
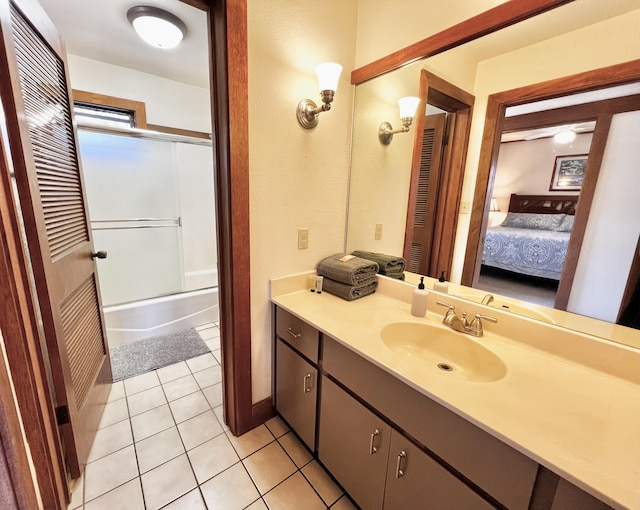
(399, 471)
(372, 448)
(305, 387)
(294, 335)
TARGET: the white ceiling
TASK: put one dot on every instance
(99, 30)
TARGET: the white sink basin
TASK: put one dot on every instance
(437, 348)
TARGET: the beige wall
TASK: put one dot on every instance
(298, 178)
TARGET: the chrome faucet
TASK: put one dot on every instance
(461, 325)
(487, 299)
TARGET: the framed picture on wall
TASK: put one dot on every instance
(568, 173)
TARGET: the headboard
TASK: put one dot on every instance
(544, 204)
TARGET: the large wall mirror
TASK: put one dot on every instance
(549, 46)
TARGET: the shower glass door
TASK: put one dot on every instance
(133, 200)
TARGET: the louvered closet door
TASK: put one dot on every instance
(423, 194)
(49, 180)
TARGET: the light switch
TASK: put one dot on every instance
(303, 238)
(378, 234)
(464, 207)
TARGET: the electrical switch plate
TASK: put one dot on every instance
(303, 238)
(378, 234)
(464, 208)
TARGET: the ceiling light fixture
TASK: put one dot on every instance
(157, 27)
(408, 106)
(565, 136)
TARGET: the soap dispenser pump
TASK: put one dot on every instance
(441, 285)
(419, 300)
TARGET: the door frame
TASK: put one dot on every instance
(618, 74)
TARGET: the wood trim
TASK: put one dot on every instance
(229, 67)
(178, 131)
(137, 107)
(487, 22)
(618, 74)
(631, 290)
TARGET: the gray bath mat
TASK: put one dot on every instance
(159, 351)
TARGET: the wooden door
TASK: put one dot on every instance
(423, 195)
(353, 443)
(43, 144)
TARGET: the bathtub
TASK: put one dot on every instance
(160, 316)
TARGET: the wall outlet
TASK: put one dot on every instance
(464, 207)
(378, 234)
(303, 238)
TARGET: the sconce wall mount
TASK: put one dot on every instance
(408, 106)
(307, 111)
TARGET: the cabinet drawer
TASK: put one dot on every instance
(297, 333)
(296, 392)
(497, 468)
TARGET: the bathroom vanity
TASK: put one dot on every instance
(406, 413)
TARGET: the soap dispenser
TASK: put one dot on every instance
(441, 285)
(419, 300)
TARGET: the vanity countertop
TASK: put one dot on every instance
(578, 420)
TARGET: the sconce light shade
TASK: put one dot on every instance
(408, 106)
(157, 27)
(308, 112)
(494, 206)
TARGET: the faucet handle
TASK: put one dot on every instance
(475, 328)
(450, 307)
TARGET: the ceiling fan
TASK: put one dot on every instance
(562, 134)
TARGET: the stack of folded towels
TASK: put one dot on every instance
(347, 276)
(389, 265)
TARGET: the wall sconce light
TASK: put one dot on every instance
(494, 206)
(307, 111)
(157, 27)
(408, 106)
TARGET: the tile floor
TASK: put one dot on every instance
(162, 443)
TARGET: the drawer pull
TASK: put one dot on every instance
(306, 387)
(372, 447)
(294, 335)
(399, 471)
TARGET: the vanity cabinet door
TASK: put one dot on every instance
(353, 444)
(570, 497)
(416, 481)
(296, 392)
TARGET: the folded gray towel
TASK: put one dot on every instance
(350, 292)
(352, 271)
(388, 263)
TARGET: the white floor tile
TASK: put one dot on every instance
(110, 439)
(189, 406)
(114, 412)
(167, 482)
(146, 400)
(151, 422)
(269, 466)
(209, 333)
(209, 376)
(77, 494)
(212, 457)
(214, 344)
(219, 412)
(199, 429)
(158, 449)
(251, 441)
(293, 494)
(117, 391)
(109, 472)
(322, 483)
(295, 449)
(201, 362)
(125, 497)
(217, 355)
(141, 382)
(171, 372)
(190, 501)
(277, 426)
(258, 505)
(213, 394)
(230, 490)
(180, 387)
(344, 503)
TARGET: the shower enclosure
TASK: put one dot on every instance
(151, 205)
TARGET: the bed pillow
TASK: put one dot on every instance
(533, 221)
(566, 225)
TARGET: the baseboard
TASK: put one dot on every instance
(262, 411)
